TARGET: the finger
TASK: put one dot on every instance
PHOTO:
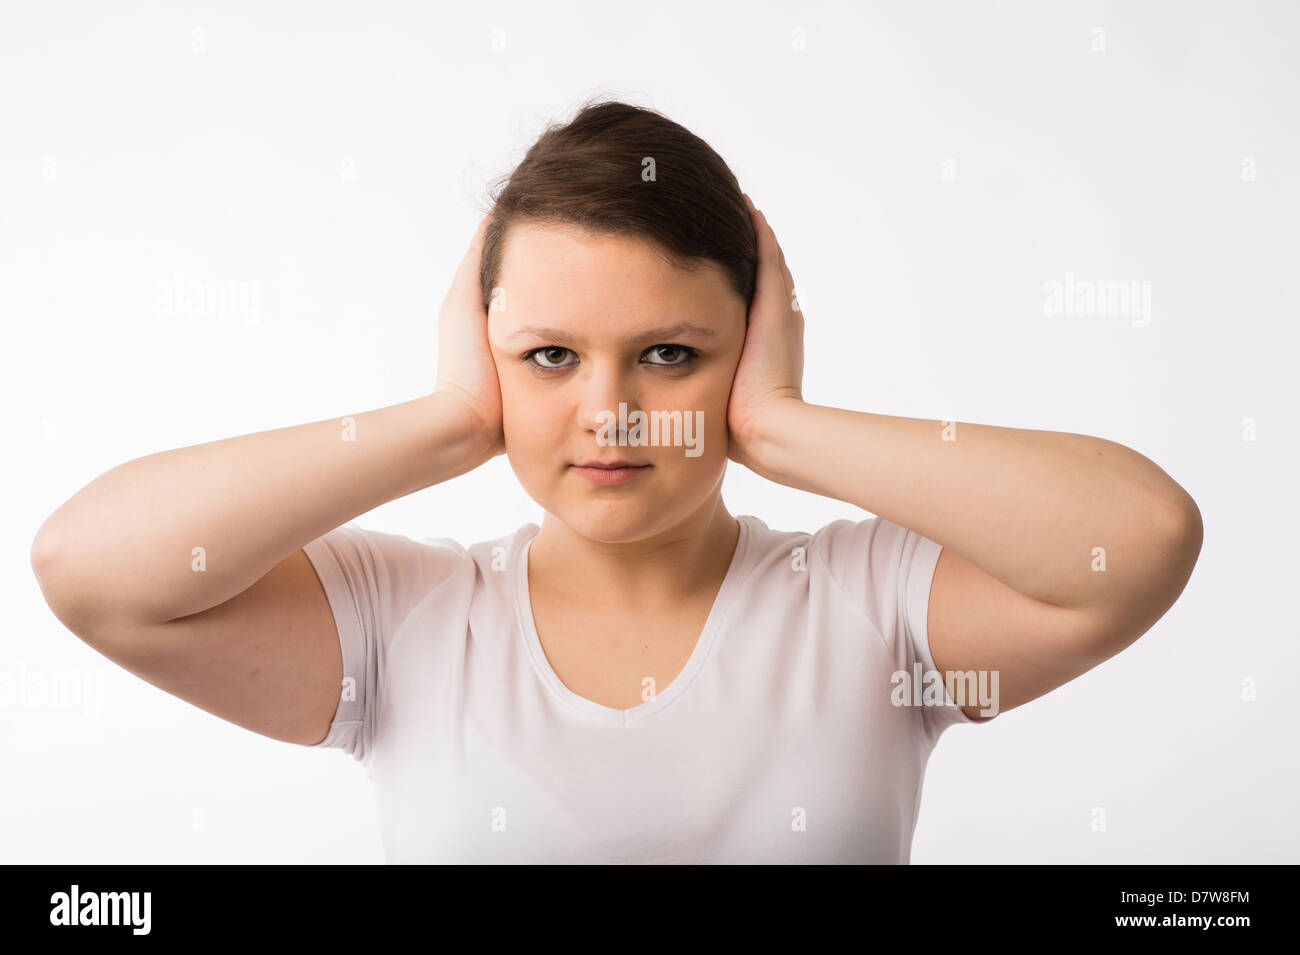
(786, 276)
(769, 280)
(466, 287)
(780, 267)
(780, 253)
(475, 251)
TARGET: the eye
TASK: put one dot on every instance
(551, 358)
(682, 353)
(551, 353)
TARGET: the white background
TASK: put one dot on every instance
(928, 167)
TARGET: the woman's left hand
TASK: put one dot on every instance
(771, 360)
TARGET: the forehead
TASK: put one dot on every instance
(554, 273)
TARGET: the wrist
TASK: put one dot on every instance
(459, 437)
(764, 444)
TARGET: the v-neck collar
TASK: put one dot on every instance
(609, 715)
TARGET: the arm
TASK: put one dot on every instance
(1059, 549)
(1027, 507)
(124, 545)
(251, 637)
(186, 567)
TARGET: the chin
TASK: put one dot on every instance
(613, 522)
(613, 515)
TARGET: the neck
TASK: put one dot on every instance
(668, 567)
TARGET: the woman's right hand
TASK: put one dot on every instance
(466, 372)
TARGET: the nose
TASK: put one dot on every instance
(604, 385)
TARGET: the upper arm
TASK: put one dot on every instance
(1002, 648)
(298, 656)
(977, 623)
(268, 659)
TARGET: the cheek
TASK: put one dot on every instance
(713, 424)
(517, 411)
(710, 396)
(530, 417)
(704, 399)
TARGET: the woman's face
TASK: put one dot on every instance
(610, 323)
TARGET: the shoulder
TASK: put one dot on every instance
(873, 548)
(882, 567)
(850, 555)
(768, 547)
(844, 545)
(497, 554)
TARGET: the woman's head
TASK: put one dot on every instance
(619, 235)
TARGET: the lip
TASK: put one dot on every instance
(610, 472)
(610, 464)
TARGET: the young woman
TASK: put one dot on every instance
(645, 677)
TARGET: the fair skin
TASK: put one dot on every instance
(621, 577)
(1022, 515)
(186, 566)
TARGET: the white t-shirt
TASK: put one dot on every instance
(777, 743)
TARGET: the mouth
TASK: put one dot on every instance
(609, 472)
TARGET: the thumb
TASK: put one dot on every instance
(466, 287)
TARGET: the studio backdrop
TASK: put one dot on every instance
(218, 219)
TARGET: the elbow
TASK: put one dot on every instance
(1180, 546)
(43, 557)
(1189, 529)
(46, 548)
(49, 566)
(1174, 545)
(44, 560)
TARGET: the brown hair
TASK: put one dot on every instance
(622, 170)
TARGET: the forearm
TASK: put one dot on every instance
(127, 543)
(1028, 507)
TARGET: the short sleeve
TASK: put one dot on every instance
(373, 580)
(888, 570)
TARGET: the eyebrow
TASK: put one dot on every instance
(655, 334)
